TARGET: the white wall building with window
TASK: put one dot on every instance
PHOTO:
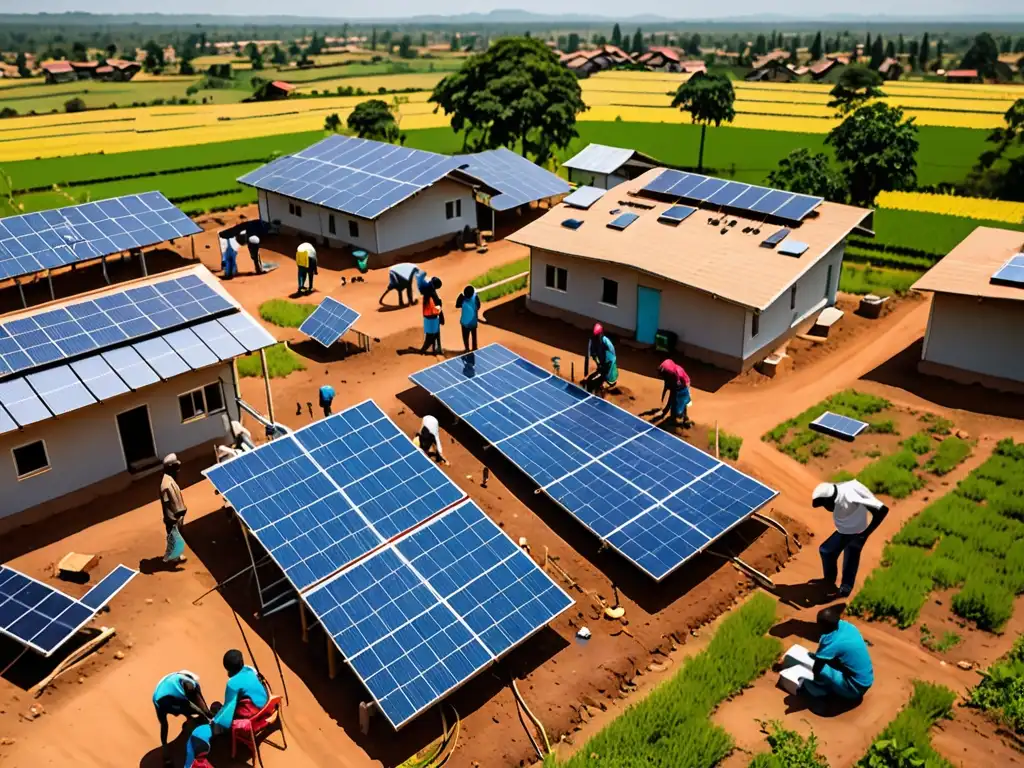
(730, 300)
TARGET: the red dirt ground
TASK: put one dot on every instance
(99, 714)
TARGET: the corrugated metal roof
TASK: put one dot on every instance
(967, 269)
(518, 180)
(584, 197)
(600, 158)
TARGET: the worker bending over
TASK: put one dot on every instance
(305, 263)
(401, 278)
(429, 437)
(849, 504)
(178, 694)
(842, 664)
(677, 387)
(244, 694)
(601, 350)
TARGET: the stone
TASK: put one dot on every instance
(965, 665)
(119, 655)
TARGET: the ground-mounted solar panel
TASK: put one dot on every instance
(838, 425)
(792, 248)
(584, 197)
(622, 221)
(1012, 272)
(676, 214)
(43, 618)
(329, 321)
(420, 617)
(620, 476)
(34, 242)
(519, 181)
(775, 238)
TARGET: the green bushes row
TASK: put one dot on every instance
(1001, 691)
(795, 438)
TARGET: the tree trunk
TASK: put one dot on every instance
(700, 157)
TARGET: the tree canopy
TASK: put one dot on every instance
(878, 151)
(374, 119)
(708, 99)
(982, 55)
(514, 93)
(855, 86)
(816, 47)
(999, 173)
(809, 173)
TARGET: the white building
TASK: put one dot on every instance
(604, 167)
(389, 200)
(976, 324)
(123, 379)
(709, 278)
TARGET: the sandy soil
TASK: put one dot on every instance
(159, 628)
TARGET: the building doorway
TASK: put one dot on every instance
(648, 314)
(137, 442)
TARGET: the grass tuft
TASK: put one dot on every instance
(795, 438)
(280, 362)
(947, 642)
(892, 475)
(950, 453)
(910, 730)
(789, 749)
(501, 273)
(284, 313)
(728, 444)
(920, 443)
(1001, 691)
(505, 289)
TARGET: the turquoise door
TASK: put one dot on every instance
(648, 311)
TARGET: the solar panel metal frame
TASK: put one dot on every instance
(590, 461)
(622, 221)
(329, 321)
(835, 428)
(1011, 273)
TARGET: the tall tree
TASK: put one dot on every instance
(373, 39)
(912, 52)
(877, 53)
(516, 92)
(708, 99)
(616, 36)
(794, 51)
(775, 40)
(573, 43)
(856, 85)
(925, 53)
(809, 173)
(816, 47)
(1005, 44)
(983, 55)
(1018, 47)
(21, 62)
(79, 52)
(867, 45)
(423, 40)
(890, 50)
(693, 46)
(374, 119)
(638, 42)
(405, 50)
(760, 46)
(940, 52)
(154, 60)
(902, 47)
(111, 51)
(878, 150)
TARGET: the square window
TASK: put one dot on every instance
(609, 292)
(186, 406)
(353, 228)
(453, 209)
(556, 278)
(330, 224)
(30, 459)
(214, 397)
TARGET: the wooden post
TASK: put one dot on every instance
(717, 454)
(106, 277)
(21, 292)
(332, 662)
(142, 261)
(545, 558)
(303, 621)
(192, 239)
(266, 382)
(365, 710)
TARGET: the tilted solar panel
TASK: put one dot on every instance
(676, 214)
(519, 180)
(1012, 272)
(838, 425)
(329, 321)
(622, 221)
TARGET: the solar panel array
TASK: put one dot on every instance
(34, 242)
(419, 617)
(58, 361)
(752, 200)
(840, 426)
(43, 618)
(519, 180)
(584, 197)
(329, 321)
(656, 499)
(414, 613)
(1012, 272)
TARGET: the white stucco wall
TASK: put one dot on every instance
(985, 336)
(315, 221)
(422, 217)
(84, 446)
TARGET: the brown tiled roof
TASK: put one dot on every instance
(57, 67)
(822, 65)
(668, 53)
(968, 268)
(85, 64)
(768, 58)
(104, 70)
(962, 73)
(694, 253)
(122, 63)
(282, 85)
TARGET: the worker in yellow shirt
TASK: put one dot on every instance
(305, 260)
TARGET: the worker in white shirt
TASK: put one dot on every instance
(849, 503)
(430, 437)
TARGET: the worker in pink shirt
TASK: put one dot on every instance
(677, 387)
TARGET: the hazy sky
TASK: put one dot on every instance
(614, 8)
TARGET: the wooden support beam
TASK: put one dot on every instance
(76, 658)
(304, 622)
(332, 662)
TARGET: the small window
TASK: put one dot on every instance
(609, 292)
(828, 282)
(792, 297)
(295, 209)
(201, 402)
(353, 228)
(330, 224)
(453, 209)
(214, 397)
(291, 209)
(556, 278)
(31, 459)
(755, 324)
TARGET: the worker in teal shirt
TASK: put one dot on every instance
(244, 694)
(178, 694)
(326, 398)
(602, 351)
(842, 665)
(198, 746)
(469, 304)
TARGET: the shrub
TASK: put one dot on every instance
(728, 445)
(906, 741)
(950, 453)
(920, 443)
(948, 641)
(1001, 691)
(74, 105)
(887, 427)
(789, 749)
(892, 475)
(284, 313)
(937, 425)
(842, 476)
(984, 600)
(280, 362)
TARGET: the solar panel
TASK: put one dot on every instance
(746, 198)
(420, 617)
(572, 224)
(43, 618)
(676, 214)
(792, 248)
(1012, 272)
(34, 242)
(130, 367)
(329, 321)
(622, 221)
(356, 176)
(17, 397)
(7, 424)
(99, 378)
(584, 197)
(621, 477)
(61, 389)
(519, 180)
(775, 238)
(838, 426)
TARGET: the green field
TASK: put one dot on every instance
(359, 69)
(97, 95)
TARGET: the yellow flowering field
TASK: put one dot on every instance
(953, 205)
(423, 80)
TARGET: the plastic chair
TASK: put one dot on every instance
(251, 732)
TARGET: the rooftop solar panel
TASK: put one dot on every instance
(584, 197)
(775, 238)
(676, 214)
(792, 248)
(614, 472)
(23, 405)
(622, 221)
(329, 321)
(99, 378)
(7, 424)
(838, 426)
(43, 618)
(1012, 272)
(572, 223)
(61, 389)
(34, 242)
(518, 179)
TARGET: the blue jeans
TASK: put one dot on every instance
(303, 271)
(230, 264)
(847, 544)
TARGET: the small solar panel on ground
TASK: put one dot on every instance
(676, 214)
(1012, 272)
(622, 221)
(838, 426)
(584, 197)
(329, 321)
(775, 238)
(792, 248)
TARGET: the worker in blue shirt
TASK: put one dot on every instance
(198, 746)
(326, 398)
(244, 694)
(601, 350)
(469, 302)
(842, 665)
(178, 694)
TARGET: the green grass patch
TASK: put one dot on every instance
(884, 427)
(280, 362)
(501, 273)
(881, 282)
(795, 438)
(936, 425)
(930, 233)
(505, 289)
(920, 443)
(284, 313)
(906, 742)
(842, 476)
(1001, 691)
(946, 642)
(971, 538)
(729, 445)
(789, 749)
(892, 475)
(951, 452)
(672, 726)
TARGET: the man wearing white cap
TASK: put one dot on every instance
(172, 504)
(849, 504)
